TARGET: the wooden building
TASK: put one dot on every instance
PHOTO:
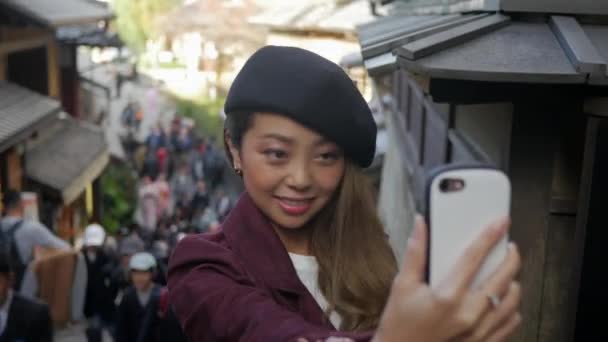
(42, 148)
(522, 85)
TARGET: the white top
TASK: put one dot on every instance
(4, 309)
(307, 269)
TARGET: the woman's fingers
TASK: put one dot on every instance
(497, 317)
(461, 277)
(506, 330)
(414, 263)
(499, 282)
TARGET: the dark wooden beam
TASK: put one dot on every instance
(475, 92)
(592, 233)
(531, 170)
(456, 35)
(578, 47)
(559, 295)
(8, 47)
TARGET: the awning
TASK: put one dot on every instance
(69, 157)
(60, 13)
(22, 111)
(382, 64)
(598, 34)
(414, 7)
(379, 38)
(494, 47)
(88, 35)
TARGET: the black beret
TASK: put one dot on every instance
(310, 90)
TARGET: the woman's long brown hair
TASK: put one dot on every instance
(356, 263)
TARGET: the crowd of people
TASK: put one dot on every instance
(180, 181)
(180, 191)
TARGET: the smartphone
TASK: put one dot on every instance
(461, 201)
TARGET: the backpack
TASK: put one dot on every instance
(8, 246)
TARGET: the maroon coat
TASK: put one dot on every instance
(240, 285)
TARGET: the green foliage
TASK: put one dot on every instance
(138, 20)
(205, 114)
(172, 65)
(119, 191)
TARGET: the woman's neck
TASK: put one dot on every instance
(296, 241)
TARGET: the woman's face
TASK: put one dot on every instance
(290, 171)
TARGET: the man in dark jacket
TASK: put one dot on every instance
(21, 319)
(138, 300)
(101, 291)
(145, 314)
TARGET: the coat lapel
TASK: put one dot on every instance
(261, 251)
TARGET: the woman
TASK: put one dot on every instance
(148, 205)
(303, 256)
(164, 195)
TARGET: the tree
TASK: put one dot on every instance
(119, 189)
(136, 20)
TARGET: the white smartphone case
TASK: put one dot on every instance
(457, 218)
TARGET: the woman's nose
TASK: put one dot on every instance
(300, 177)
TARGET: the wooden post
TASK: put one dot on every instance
(3, 67)
(15, 170)
(54, 74)
(591, 231)
(559, 297)
(533, 141)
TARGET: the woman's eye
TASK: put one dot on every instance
(275, 154)
(329, 156)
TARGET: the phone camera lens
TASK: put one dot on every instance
(451, 185)
(444, 185)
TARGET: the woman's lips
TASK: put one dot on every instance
(293, 206)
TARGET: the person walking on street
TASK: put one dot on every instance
(156, 138)
(182, 185)
(22, 236)
(201, 199)
(140, 298)
(100, 293)
(129, 245)
(164, 195)
(213, 165)
(149, 204)
(198, 162)
(21, 319)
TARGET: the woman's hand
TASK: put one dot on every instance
(452, 311)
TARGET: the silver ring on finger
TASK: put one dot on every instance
(494, 300)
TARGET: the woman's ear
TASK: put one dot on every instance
(232, 151)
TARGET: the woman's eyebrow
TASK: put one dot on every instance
(279, 137)
(325, 142)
